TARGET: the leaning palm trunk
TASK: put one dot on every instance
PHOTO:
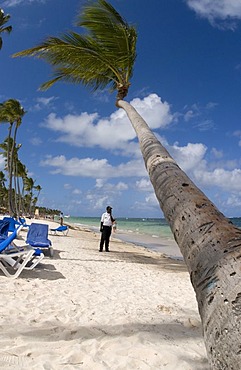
(209, 243)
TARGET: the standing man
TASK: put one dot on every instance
(61, 219)
(105, 228)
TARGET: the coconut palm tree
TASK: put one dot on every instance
(210, 244)
(12, 112)
(38, 188)
(3, 191)
(19, 170)
(29, 187)
(5, 150)
(3, 20)
(12, 202)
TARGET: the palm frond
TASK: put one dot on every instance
(11, 111)
(3, 20)
(108, 28)
(104, 56)
(7, 29)
(74, 59)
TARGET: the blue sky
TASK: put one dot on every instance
(82, 150)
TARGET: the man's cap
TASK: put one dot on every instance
(108, 207)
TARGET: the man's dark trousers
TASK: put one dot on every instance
(105, 238)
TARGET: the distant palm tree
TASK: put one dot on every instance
(3, 20)
(29, 187)
(19, 174)
(38, 188)
(210, 244)
(2, 179)
(3, 190)
(12, 112)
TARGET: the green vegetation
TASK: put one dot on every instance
(18, 192)
(103, 57)
(3, 20)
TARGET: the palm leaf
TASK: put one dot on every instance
(3, 20)
(104, 56)
(11, 111)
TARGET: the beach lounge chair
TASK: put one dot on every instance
(61, 229)
(22, 221)
(13, 259)
(4, 226)
(37, 237)
(13, 224)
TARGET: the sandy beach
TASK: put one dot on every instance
(128, 309)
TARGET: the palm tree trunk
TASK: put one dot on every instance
(9, 159)
(11, 170)
(15, 189)
(209, 243)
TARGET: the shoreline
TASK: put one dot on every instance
(163, 245)
(129, 309)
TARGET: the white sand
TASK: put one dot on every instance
(127, 309)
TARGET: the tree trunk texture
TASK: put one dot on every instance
(209, 243)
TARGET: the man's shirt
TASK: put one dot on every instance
(106, 219)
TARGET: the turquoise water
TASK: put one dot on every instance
(154, 227)
(147, 232)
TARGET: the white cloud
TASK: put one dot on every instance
(189, 115)
(36, 141)
(188, 157)
(102, 184)
(234, 201)
(224, 179)
(217, 153)
(191, 158)
(153, 110)
(93, 168)
(105, 193)
(76, 191)
(238, 134)
(144, 185)
(198, 113)
(150, 203)
(121, 186)
(12, 3)
(211, 105)
(102, 95)
(96, 201)
(205, 125)
(151, 200)
(215, 10)
(43, 103)
(46, 101)
(89, 130)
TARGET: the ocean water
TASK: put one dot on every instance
(156, 227)
(147, 232)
